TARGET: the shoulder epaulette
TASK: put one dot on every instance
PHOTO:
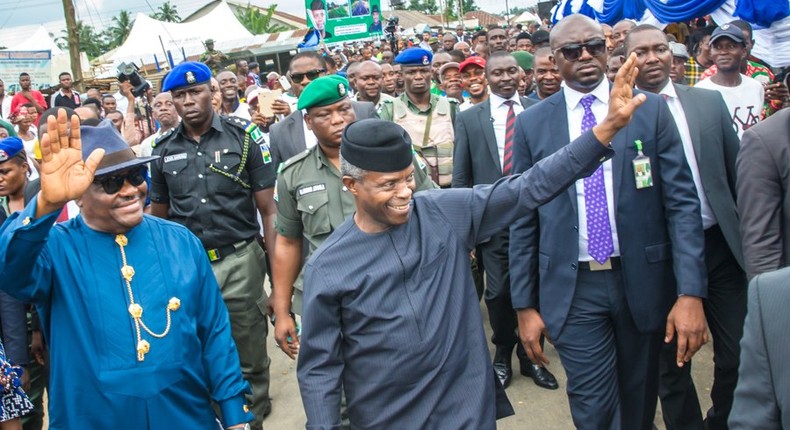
(163, 138)
(295, 159)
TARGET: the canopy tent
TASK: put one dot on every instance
(526, 17)
(770, 18)
(180, 39)
(37, 38)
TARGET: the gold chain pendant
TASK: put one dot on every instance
(136, 310)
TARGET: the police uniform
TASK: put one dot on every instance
(209, 187)
(312, 200)
(431, 130)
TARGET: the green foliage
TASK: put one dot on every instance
(120, 28)
(167, 13)
(91, 42)
(257, 22)
(470, 6)
(428, 7)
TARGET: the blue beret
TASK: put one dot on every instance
(414, 57)
(186, 74)
(10, 147)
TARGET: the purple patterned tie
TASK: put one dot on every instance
(599, 231)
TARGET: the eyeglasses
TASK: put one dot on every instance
(113, 184)
(311, 75)
(573, 52)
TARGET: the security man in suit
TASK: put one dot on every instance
(312, 200)
(291, 136)
(483, 154)
(212, 174)
(711, 148)
(428, 118)
(616, 263)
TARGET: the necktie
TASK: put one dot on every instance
(666, 97)
(599, 231)
(510, 130)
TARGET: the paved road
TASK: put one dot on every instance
(536, 408)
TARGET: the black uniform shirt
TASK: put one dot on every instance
(208, 188)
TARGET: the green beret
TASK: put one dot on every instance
(323, 91)
(524, 59)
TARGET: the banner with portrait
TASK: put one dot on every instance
(38, 64)
(341, 20)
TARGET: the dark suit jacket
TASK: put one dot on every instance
(762, 396)
(286, 137)
(716, 148)
(476, 155)
(764, 194)
(659, 228)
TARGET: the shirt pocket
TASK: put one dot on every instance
(176, 176)
(314, 209)
(227, 174)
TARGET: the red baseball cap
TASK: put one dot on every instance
(476, 61)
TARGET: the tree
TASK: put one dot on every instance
(91, 42)
(167, 13)
(428, 7)
(120, 28)
(257, 22)
(470, 6)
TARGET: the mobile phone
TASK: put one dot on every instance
(285, 83)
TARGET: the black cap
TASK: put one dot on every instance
(377, 145)
(729, 31)
(540, 36)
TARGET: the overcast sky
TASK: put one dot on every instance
(99, 13)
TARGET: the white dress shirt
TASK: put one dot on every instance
(309, 137)
(499, 117)
(575, 112)
(708, 219)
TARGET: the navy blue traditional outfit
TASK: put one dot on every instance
(393, 317)
(111, 369)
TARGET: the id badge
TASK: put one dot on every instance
(642, 172)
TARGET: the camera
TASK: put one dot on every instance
(129, 72)
(392, 25)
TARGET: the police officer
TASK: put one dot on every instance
(428, 118)
(312, 200)
(213, 58)
(212, 173)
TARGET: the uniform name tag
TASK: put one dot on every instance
(176, 157)
(311, 189)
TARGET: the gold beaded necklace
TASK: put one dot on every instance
(136, 310)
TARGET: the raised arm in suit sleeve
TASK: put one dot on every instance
(462, 157)
(524, 235)
(681, 208)
(760, 196)
(754, 405)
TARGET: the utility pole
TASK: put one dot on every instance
(74, 43)
(461, 12)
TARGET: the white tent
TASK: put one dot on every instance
(37, 38)
(144, 39)
(526, 17)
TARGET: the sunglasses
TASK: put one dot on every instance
(311, 75)
(573, 52)
(113, 183)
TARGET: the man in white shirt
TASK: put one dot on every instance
(711, 148)
(5, 102)
(231, 105)
(743, 95)
(165, 114)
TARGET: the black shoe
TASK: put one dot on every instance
(502, 367)
(539, 374)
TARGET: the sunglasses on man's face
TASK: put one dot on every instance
(573, 52)
(311, 75)
(113, 183)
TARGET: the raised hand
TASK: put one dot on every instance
(64, 176)
(622, 102)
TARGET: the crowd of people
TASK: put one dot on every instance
(614, 191)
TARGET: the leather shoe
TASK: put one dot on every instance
(502, 367)
(539, 374)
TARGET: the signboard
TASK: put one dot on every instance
(340, 20)
(38, 64)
